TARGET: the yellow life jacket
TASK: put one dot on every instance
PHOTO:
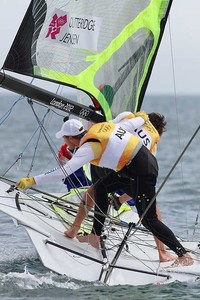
(147, 133)
(118, 146)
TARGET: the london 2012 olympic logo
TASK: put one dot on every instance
(55, 26)
(84, 113)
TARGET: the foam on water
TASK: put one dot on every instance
(26, 280)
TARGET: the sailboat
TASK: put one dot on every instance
(105, 53)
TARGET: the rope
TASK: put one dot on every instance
(167, 177)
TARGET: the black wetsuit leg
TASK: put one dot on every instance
(145, 169)
(146, 191)
(98, 173)
(143, 172)
(102, 187)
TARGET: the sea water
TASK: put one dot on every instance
(22, 275)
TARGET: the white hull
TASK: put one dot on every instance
(137, 264)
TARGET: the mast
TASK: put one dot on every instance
(162, 28)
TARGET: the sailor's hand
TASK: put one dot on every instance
(143, 115)
(24, 183)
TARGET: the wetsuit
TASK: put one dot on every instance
(138, 180)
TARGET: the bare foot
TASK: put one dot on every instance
(92, 239)
(72, 231)
(166, 256)
(185, 260)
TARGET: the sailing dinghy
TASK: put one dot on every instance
(106, 53)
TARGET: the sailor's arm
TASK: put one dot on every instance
(83, 155)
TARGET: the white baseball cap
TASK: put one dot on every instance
(71, 127)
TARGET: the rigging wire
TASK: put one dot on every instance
(40, 214)
(37, 142)
(7, 114)
(58, 200)
(46, 136)
(42, 130)
(167, 176)
(196, 221)
(177, 115)
(27, 145)
(47, 204)
(41, 125)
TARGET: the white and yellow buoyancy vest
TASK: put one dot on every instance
(118, 145)
(147, 133)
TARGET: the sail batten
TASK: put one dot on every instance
(104, 50)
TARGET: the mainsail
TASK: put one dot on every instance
(102, 48)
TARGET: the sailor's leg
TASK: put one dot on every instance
(146, 191)
(164, 255)
(85, 206)
(107, 184)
